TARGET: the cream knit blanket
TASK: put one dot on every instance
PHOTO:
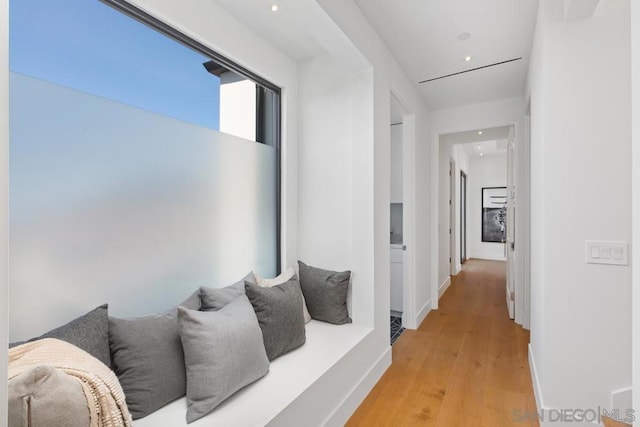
(105, 397)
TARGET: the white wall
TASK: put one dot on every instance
(635, 168)
(387, 78)
(237, 106)
(496, 113)
(325, 163)
(4, 174)
(396, 163)
(486, 171)
(579, 83)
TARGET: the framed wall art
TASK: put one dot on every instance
(494, 214)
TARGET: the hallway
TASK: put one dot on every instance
(466, 365)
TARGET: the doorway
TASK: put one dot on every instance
(452, 217)
(402, 215)
(463, 217)
(470, 162)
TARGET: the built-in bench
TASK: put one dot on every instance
(289, 376)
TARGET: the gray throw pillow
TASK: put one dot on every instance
(280, 315)
(148, 358)
(325, 292)
(215, 298)
(90, 332)
(223, 352)
(45, 396)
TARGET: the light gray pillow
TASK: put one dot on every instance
(223, 352)
(45, 396)
(90, 332)
(215, 298)
(148, 358)
(279, 312)
(325, 292)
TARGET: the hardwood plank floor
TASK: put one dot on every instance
(466, 365)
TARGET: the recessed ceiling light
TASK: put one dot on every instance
(464, 36)
(275, 7)
(467, 58)
(481, 154)
(478, 147)
(479, 132)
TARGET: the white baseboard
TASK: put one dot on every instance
(537, 392)
(488, 257)
(349, 404)
(422, 313)
(443, 287)
(621, 399)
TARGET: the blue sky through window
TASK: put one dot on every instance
(87, 45)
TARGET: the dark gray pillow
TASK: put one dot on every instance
(223, 352)
(148, 358)
(279, 313)
(90, 332)
(325, 292)
(216, 298)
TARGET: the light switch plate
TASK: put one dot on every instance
(606, 252)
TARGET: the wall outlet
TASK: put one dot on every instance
(603, 252)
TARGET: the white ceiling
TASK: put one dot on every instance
(477, 135)
(486, 148)
(485, 142)
(285, 28)
(423, 37)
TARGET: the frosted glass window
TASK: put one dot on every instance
(115, 200)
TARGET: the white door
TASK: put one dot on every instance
(511, 219)
(463, 217)
(452, 217)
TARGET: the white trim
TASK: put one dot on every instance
(635, 195)
(435, 193)
(537, 390)
(444, 286)
(350, 403)
(408, 216)
(622, 399)
(422, 313)
(510, 305)
(488, 257)
(452, 217)
(435, 205)
(4, 188)
(523, 228)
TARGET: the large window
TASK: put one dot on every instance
(89, 46)
(141, 161)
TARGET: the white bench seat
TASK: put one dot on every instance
(289, 376)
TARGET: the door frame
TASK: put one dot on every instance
(509, 244)
(463, 216)
(523, 231)
(410, 312)
(452, 218)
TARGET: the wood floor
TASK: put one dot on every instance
(466, 365)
